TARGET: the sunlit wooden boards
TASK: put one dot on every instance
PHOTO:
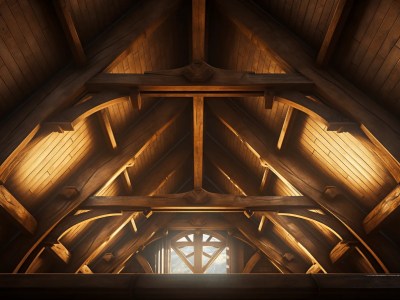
(16, 210)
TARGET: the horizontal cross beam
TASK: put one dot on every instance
(199, 201)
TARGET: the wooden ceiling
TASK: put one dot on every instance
(204, 108)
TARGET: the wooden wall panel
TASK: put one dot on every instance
(344, 158)
(230, 49)
(307, 18)
(31, 50)
(91, 17)
(51, 161)
(369, 52)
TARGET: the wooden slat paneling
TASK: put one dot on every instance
(51, 161)
(342, 156)
(31, 50)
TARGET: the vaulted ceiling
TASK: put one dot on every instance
(277, 121)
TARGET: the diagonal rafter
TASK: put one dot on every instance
(303, 180)
(95, 176)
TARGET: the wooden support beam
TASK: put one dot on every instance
(198, 200)
(176, 81)
(61, 252)
(340, 251)
(68, 25)
(314, 269)
(198, 119)
(261, 225)
(63, 90)
(93, 177)
(251, 263)
(303, 179)
(380, 212)
(269, 98)
(136, 99)
(332, 35)
(127, 181)
(68, 119)
(378, 125)
(286, 128)
(220, 286)
(105, 123)
(270, 250)
(199, 221)
(265, 180)
(17, 211)
(85, 270)
(332, 119)
(144, 263)
(198, 29)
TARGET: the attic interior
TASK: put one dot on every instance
(257, 140)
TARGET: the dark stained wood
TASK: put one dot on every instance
(199, 221)
(176, 81)
(64, 89)
(68, 25)
(176, 286)
(291, 172)
(17, 211)
(379, 127)
(333, 32)
(93, 177)
(332, 119)
(269, 97)
(198, 200)
(198, 120)
(198, 29)
(68, 119)
(380, 212)
(136, 100)
(271, 251)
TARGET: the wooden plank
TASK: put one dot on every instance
(61, 252)
(68, 119)
(219, 81)
(17, 211)
(127, 180)
(333, 32)
(379, 213)
(273, 38)
(339, 251)
(64, 88)
(198, 200)
(198, 111)
(286, 128)
(68, 25)
(265, 180)
(198, 29)
(296, 174)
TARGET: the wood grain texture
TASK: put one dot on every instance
(198, 29)
(198, 129)
(18, 213)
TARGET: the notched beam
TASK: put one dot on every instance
(332, 119)
(17, 211)
(68, 119)
(380, 212)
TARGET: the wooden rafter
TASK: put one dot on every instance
(286, 127)
(65, 88)
(127, 180)
(198, 29)
(68, 25)
(17, 211)
(382, 211)
(292, 173)
(336, 24)
(281, 44)
(93, 177)
(198, 116)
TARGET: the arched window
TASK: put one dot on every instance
(198, 252)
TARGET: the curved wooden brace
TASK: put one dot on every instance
(75, 220)
(251, 263)
(68, 119)
(327, 221)
(331, 118)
